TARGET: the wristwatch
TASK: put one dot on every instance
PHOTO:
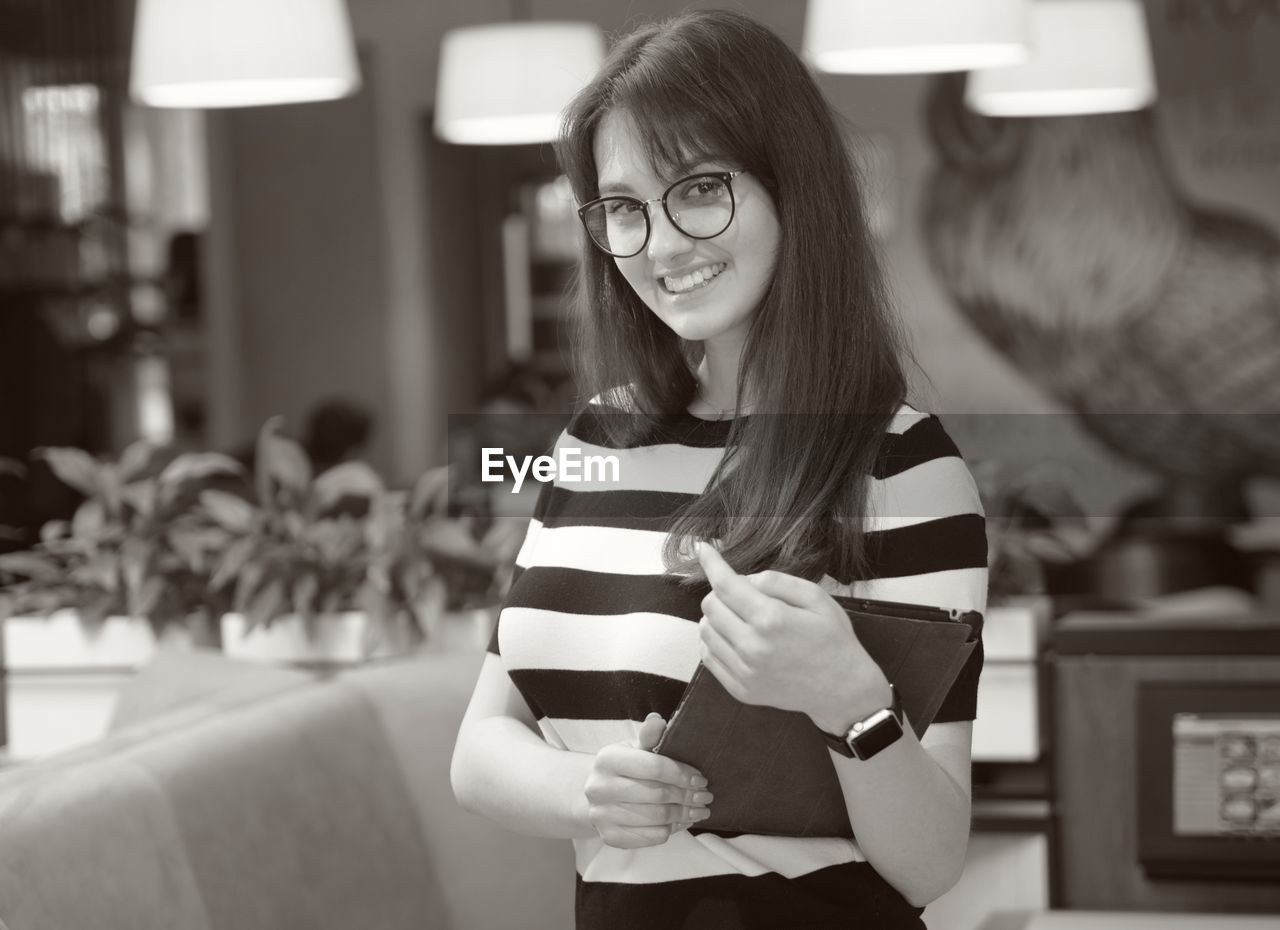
(872, 733)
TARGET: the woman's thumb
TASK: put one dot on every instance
(651, 731)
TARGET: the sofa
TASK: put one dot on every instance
(232, 795)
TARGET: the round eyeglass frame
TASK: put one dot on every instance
(725, 176)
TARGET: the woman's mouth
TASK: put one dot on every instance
(693, 281)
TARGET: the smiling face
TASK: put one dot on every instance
(703, 289)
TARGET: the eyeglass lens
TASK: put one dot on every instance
(701, 207)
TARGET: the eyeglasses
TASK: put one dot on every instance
(701, 206)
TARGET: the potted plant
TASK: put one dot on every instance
(335, 568)
(135, 549)
(95, 597)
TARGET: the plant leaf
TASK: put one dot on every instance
(148, 597)
(227, 510)
(134, 556)
(265, 605)
(429, 603)
(349, 479)
(284, 460)
(193, 465)
(261, 474)
(93, 613)
(247, 580)
(141, 496)
(233, 560)
(110, 488)
(295, 525)
(12, 467)
(74, 468)
(305, 588)
(431, 492)
(30, 565)
(135, 459)
(53, 531)
(101, 572)
(89, 520)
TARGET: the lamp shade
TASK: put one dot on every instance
(506, 84)
(914, 36)
(1087, 56)
(239, 53)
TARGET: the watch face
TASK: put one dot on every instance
(880, 731)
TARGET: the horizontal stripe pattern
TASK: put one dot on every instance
(596, 635)
(704, 854)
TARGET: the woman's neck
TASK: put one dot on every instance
(717, 376)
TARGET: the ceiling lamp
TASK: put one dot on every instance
(241, 53)
(914, 36)
(506, 84)
(1088, 56)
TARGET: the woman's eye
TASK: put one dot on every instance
(621, 207)
(705, 188)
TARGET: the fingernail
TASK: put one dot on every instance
(698, 781)
(701, 813)
(702, 797)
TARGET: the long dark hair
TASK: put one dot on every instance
(790, 492)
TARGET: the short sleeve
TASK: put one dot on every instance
(927, 539)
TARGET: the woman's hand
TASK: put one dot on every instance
(639, 798)
(772, 638)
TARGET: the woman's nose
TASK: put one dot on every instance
(665, 238)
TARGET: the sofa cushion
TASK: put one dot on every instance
(177, 678)
(93, 845)
(492, 879)
(294, 813)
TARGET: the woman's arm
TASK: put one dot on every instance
(624, 794)
(779, 640)
(911, 805)
(504, 770)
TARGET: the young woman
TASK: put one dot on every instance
(742, 358)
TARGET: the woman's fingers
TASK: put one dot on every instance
(631, 762)
(652, 815)
(724, 675)
(650, 731)
(715, 643)
(734, 590)
(732, 628)
(620, 789)
(798, 592)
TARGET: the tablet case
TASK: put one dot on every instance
(769, 769)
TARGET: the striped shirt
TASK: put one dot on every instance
(595, 636)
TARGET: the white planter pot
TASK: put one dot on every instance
(344, 638)
(461, 630)
(61, 642)
(62, 678)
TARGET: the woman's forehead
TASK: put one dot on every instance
(625, 154)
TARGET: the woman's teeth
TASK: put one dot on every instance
(697, 279)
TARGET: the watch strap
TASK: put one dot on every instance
(841, 744)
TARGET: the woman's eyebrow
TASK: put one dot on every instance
(615, 187)
(683, 170)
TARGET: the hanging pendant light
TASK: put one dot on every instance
(914, 36)
(506, 84)
(1088, 56)
(241, 53)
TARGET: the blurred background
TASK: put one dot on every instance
(252, 330)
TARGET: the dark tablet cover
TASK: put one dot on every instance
(770, 769)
